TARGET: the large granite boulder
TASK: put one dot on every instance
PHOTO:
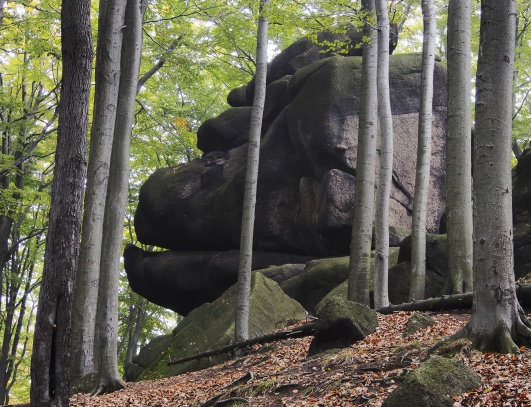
(307, 169)
(212, 326)
(182, 281)
(306, 176)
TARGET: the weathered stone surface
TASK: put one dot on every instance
(522, 249)
(283, 273)
(308, 287)
(340, 324)
(433, 383)
(522, 189)
(307, 168)
(318, 279)
(306, 174)
(238, 97)
(182, 281)
(147, 356)
(212, 325)
(400, 277)
(417, 322)
(228, 130)
(436, 252)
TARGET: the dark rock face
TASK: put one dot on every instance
(306, 175)
(307, 169)
(182, 281)
(522, 189)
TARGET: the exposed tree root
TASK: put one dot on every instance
(500, 340)
(108, 386)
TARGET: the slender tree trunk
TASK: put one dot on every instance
(50, 378)
(241, 329)
(497, 322)
(459, 149)
(360, 247)
(110, 24)
(422, 179)
(132, 342)
(2, 5)
(10, 367)
(117, 191)
(383, 191)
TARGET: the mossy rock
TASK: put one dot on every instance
(417, 322)
(212, 325)
(148, 355)
(340, 324)
(282, 273)
(341, 290)
(436, 252)
(318, 279)
(433, 384)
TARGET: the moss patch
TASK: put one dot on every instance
(433, 383)
(341, 289)
(212, 325)
(340, 324)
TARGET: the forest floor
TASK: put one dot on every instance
(362, 375)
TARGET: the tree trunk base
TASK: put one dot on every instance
(502, 340)
(108, 386)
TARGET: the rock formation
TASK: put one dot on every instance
(306, 177)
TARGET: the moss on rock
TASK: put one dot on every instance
(212, 325)
(341, 290)
(340, 324)
(318, 279)
(433, 383)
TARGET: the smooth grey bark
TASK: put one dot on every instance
(497, 322)
(383, 190)
(459, 149)
(110, 24)
(2, 5)
(115, 208)
(50, 364)
(360, 246)
(134, 336)
(241, 329)
(422, 178)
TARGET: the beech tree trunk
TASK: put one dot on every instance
(383, 189)
(459, 149)
(422, 179)
(117, 191)
(50, 373)
(497, 322)
(360, 247)
(241, 329)
(110, 25)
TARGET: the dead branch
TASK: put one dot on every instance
(299, 332)
(453, 301)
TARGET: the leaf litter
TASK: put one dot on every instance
(279, 374)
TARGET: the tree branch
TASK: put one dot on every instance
(299, 332)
